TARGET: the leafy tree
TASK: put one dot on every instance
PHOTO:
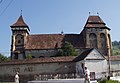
(29, 56)
(116, 47)
(68, 50)
(3, 58)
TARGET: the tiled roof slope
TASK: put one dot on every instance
(39, 60)
(115, 58)
(52, 41)
(83, 55)
(95, 22)
(20, 23)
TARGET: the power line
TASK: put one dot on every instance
(6, 7)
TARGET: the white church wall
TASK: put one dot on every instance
(94, 54)
(97, 66)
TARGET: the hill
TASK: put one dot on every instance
(116, 47)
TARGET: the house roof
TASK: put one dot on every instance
(83, 55)
(95, 22)
(39, 60)
(115, 58)
(52, 41)
(19, 23)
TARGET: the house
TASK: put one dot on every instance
(94, 61)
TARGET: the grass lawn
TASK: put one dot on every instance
(108, 81)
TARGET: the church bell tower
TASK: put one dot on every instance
(96, 35)
(20, 31)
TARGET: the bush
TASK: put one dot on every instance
(108, 81)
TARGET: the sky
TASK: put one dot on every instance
(54, 16)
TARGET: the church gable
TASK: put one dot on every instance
(90, 54)
(95, 54)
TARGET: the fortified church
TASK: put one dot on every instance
(95, 34)
(93, 45)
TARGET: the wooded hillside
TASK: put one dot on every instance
(116, 47)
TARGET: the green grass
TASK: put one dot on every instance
(112, 81)
(108, 81)
(116, 51)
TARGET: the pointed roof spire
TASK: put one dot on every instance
(95, 22)
(20, 23)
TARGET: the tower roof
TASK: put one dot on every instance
(20, 23)
(95, 22)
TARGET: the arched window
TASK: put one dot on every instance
(19, 39)
(103, 41)
(93, 40)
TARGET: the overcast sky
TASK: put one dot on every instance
(53, 16)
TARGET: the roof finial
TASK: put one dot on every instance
(89, 13)
(21, 12)
(98, 13)
(62, 32)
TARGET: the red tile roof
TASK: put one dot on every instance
(95, 22)
(52, 41)
(39, 60)
(115, 58)
(20, 23)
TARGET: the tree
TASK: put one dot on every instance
(68, 50)
(29, 56)
(3, 58)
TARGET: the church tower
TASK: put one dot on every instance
(20, 31)
(96, 35)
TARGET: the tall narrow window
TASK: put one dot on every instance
(19, 39)
(103, 40)
(93, 40)
(103, 43)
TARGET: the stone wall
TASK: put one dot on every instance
(41, 53)
(32, 71)
(115, 67)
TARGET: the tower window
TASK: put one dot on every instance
(93, 40)
(19, 39)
